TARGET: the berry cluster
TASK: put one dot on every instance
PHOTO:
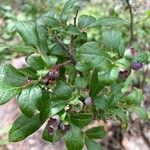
(130, 54)
(51, 76)
(55, 124)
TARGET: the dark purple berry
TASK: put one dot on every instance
(54, 121)
(130, 53)
(51, 76)
(64, 127)
(136, 65)
(45, 80)
(89, 101)
(123, 74)
(53, 73)
(50, 130)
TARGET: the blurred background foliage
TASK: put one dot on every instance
(13, 10)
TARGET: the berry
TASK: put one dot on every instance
(130, 53)
(88, 101)
(133, 52)
(54, 121)
(64, 127)
(50, 130)
(51, 76)
(53, 73)
(136, 65)
(123, 74)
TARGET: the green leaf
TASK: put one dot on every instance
(95, 86)
(57, 50)
(81, 82)
(74, 139)
(48, 21)
(29, 72)
(69, 4)
(72, 30)
(36, 62)
(123, 63)
(135, 97)
(51, 108)
(141, 112)
(121, 115)
(3, 47)
(10, 76)
(92, 145)
(52, 138)
(22, 49)
(28, 100)
(11, 81)
(85, 21)
(44, 104)
(96, 133)
(28, 32)
(71, 72)
(108, 21)
(101, 102)
(108, 77)
(42, 23)
(57, 107)
(24, 127)
(7, 93)
(49, 60)
(82, 67)
(81, 119)
(62, 90)
(91, 54)
(42, 37)
(116, 95)
(111, 39)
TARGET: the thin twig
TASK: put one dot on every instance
(63, 64)
(131, 21)
(71, 57)
(29, 83)
(75, 18)
(75, 24)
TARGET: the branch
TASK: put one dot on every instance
(63, 64)
(75, 24)
(75, 18)
(131, 21)
(29, 83)
(71, 57)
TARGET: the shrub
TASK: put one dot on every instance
(70, 81)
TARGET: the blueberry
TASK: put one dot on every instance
(130, 53)
(54, 121)
(50, 130)
(88, 101)
(64, 127)
(51, 76)
(136, 65)
(53, 73)
(123, 74)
